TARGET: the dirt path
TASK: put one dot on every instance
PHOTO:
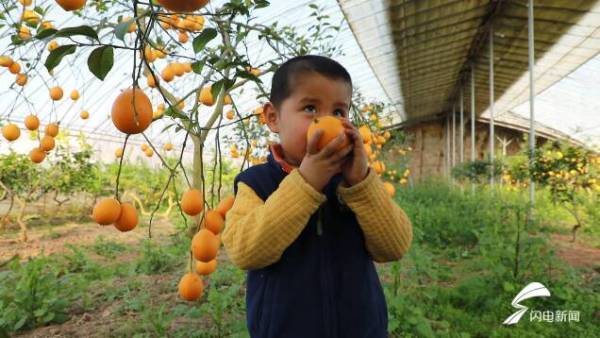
(577, 253)
(51, 240)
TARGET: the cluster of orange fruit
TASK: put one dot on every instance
(183, 5)
(110, 211)
(169, 73)
(11, 132)
(14, 68)
(205, 243)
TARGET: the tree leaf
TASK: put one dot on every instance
(101, 61)
(122, 28)
(45, 33)
(204, 38)
(197, 66)
(56, 56)
(78, 30)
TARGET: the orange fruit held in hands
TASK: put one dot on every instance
(32, 122)
(183, 5)
(51, 129)
(192, 202)
(71, 5)
(128, 219)
(37, 155)
(124, 111)
(213, 221)
(106, 211)
(225, 205)
(205, 245)
(204, 269)
(332, 127)
(11, 132)
(190, 287)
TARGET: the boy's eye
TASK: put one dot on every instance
(339, 112)
(310, 109)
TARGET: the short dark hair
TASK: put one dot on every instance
(285, 74)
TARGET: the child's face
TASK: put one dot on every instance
(312, 95)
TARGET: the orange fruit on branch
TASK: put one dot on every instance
(51, 129)
(213, 221)
(106, 211)
(11, 132)
(332, 127)
(128, 219)
(47, 143)
(192, 202)
(84, 115)
(183, 5)
(71, 5)
(225, 205)
(205, 245)
(206, 268)
(56, 93)
(132, 111)
(32, 122)
(37, 155)
(190, 287)
(206, 97)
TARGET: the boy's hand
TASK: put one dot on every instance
(356, 167)
(318, 167)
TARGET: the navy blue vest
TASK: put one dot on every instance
(325, 284)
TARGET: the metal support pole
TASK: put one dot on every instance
(462, 128)
(491, 81)
(447, 157)
(531, 101)
(453, 137)
(472, 121)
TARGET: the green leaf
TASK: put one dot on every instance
(215, 89)
(197, 66)
(78, 30)
(45, 33)
(204, 38)
(56, 56)
(101, 61)
(122, 28)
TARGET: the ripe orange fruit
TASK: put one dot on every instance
(149, 152)
(37, 155)
(75, 95)
(187, 67)
(192, 202)
(225, 205)
(24, 33)
(378, 166)
(227, 99)
(204, 269)
(190, 287)
(151, 81)
(178, 69)
(56, 93)
(106, 211)
(168, 147)
(52, 45)
(119, 152)
(51, 129)
(365, 133)
(21, 79)
(124, 111)
(128, 219)
(230, 115)
(6, 61)
(205, 245)
(47, 143)
(144, 147)
(331, 126)
(84, 115)
(11, 132)
(32, 122)
(15, 68)
(149, 54)
(183, 5)
(389, 188)
(206, 97)
(167, 73)
(213, 221)
(183, 37)
(71, 5)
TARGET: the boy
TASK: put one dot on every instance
(308, 224)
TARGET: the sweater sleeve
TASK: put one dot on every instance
(257, 233)
(387, 229)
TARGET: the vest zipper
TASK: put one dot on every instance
(320, 221)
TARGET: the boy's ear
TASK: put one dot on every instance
(271, 117)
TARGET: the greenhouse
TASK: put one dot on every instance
(176, 168)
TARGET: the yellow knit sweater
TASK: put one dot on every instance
(257, 233)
